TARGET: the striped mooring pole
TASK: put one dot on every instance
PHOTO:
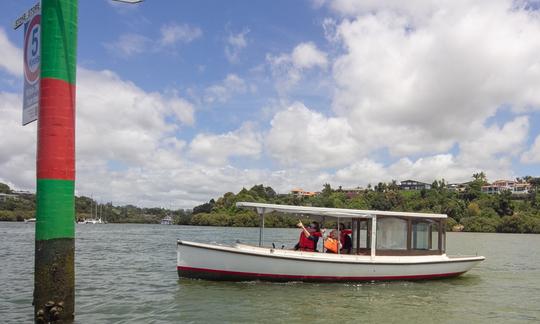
(54, 276)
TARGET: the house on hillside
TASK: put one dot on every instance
(24, 194)
(299, 192)
(5, 196)
(459, 187)
(352, 192)
(522, 189)
(413, 185)
(517, 188)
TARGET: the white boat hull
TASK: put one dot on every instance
(242, 262)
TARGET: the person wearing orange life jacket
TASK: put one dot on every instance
(309, 237)
(344, 239)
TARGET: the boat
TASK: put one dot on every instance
(167, 220)
(91, 221)
(386, 245)
(94, 214)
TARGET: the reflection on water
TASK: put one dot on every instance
(127, 273)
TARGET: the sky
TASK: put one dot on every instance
(179, 102)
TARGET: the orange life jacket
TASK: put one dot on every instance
(332, 244)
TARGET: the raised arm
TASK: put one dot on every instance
(306, 232)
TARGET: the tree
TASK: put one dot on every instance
(204, 208)
(473, 210)
(327, 190)
(381, 187)
(503, 205)
(4, 188)
(258, 191)
(474, 188)
(481, 176)
(270, 193)
(393, 186)
(535, 183)
(480, 224)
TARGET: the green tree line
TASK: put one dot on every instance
(18, 207)
(468, 210)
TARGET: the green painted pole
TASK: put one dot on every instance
(54, 276)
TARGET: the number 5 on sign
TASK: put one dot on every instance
(35, 40)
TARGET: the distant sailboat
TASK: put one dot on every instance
(93, 220)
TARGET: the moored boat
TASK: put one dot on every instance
(91, 221)
(385, 246)
(167, 220)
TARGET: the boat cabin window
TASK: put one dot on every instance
(397, 235)
(391, 233)
(434, 237)
(364, 234)
(421, 231)
(425, 235)
(409, 236)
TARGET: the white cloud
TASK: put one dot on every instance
(307, 56)
(304, 138)
(129, 44)
(495, 144)
(361, 173)
(132, 44)
(182, 110)
(17, 147)
(124, 136)
(11, 56)
(223, 91)
(216, 149)
(119, 121)
(318, 3)
(173, 33)
(421, 79)
(533, 154)
(426, 169)
(235, 43)
(288, 68)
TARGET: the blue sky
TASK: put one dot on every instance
(181, 101)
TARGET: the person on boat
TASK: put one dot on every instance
(309, 237)
(344, 239)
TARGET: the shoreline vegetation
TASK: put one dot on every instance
(468, 210)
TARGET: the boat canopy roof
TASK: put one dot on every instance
(331, 212)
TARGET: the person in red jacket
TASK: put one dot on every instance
(345, 238)
(309, 237)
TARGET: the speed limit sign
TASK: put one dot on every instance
(31, 50)
(32, 63)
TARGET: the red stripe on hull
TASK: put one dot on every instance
(56, 130)
(213, 274)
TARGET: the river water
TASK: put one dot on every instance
(127, 274)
